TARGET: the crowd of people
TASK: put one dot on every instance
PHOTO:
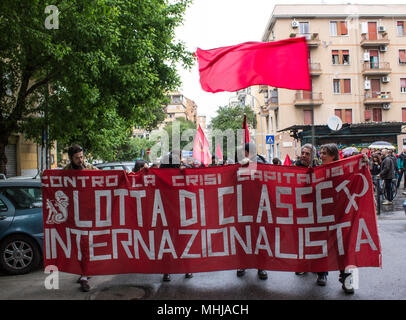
(383, 165)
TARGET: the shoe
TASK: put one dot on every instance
(322, 280)
(84, 285)
(240, 272)
(300, 273)
(80, 278)
(346, 280)
(386, 202)
(188, 275)
(166, 277)
(404, 192)
(262, 274)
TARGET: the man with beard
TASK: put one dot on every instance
(75, 153)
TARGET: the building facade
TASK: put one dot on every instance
(358, 72)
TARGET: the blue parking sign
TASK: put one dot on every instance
(270, 139)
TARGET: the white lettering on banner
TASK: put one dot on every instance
(264, 205)
(221, 193)
(125, 244)
(93, 245)
(158, 209)
(210, 179)
(321, 243)
(363, 227)
(320, 201)
(121, 193)
(279, 204)
(79, 223)
(227, 241)
(98, 194)
(138, 194)
(183, 195)
(299, 192)
(240, 215)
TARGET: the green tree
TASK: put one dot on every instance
(107, 66)
(177, 130)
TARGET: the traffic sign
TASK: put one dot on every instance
(270, 139)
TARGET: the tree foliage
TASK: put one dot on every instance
(107, 67)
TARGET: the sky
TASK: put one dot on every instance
(211, 24)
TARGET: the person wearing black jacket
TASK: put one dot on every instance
(387, 173)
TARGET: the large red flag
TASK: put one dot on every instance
(282, 64)
(201, 148)
(245, 127)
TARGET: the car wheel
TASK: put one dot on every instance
(19, 254)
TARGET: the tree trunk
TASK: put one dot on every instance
(3, 158)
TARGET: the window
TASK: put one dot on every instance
(304, 27)
(3, 206)
(342, 85)
(401, 27)
(377, 114)
(338, 28)
(307, 116)
(344, 114)
(402, 56)
(403, 85)
(341, 56)
(23, 197)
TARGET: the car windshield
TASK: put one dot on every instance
(23, 197)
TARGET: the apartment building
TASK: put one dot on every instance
(180, 107)
(358, 72)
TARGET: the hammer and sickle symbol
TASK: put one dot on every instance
(351, 197)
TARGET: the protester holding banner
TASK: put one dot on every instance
(173, 160)
(329, 153)
(75, 153)
(307, 154)
(250, 150)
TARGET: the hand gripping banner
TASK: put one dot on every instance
(207, 219)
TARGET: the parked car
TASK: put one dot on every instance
(127, 166)
(21, 225)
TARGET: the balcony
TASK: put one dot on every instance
(374, 39)
(315, 69)
(372, 68)
(308, 98)
(271, 103)
(313, 40)
(377, 97)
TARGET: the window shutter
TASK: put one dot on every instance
(347, 85)
(348, 115)
(403, 114)
(402, 56)
(344, 30)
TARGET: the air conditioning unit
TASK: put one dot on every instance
(383, 48)
(295, 24)
(366, 56)
(367, 84)
(386, 106)
(385, 79)
(381, 29)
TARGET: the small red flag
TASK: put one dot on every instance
(287, 161)
(245, 127)
(219, 154)
(282, 64)
(201, 150)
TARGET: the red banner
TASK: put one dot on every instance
(207, 219)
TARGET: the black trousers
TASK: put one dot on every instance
(388, 189)
(402, 173)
